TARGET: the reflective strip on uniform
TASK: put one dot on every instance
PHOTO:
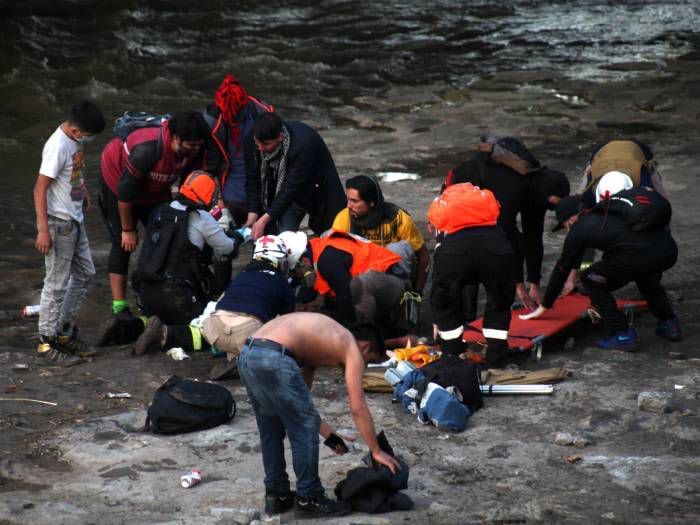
(491, 333)
(196, 338)
(451, 334)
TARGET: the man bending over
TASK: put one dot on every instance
(277, 367)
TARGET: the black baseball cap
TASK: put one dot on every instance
(567, 208)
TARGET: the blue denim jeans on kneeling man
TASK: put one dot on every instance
(283, 405)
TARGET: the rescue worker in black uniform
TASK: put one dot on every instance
(628, 255)
(473, 251)
(522, 187)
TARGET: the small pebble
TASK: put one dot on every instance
(580, 442)
(563, 438)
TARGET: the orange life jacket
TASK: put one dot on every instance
(463, 206)
(365, 255)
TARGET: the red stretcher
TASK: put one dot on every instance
(526, 335)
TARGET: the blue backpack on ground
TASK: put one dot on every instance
(133, 120)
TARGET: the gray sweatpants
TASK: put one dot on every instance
(69, 270)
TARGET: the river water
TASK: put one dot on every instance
(303, 56)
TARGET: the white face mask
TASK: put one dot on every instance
(86, 138)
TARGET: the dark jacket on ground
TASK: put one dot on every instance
(633, 252)
(311, 181)
(375, 490)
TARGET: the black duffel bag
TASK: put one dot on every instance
(450, 370)
(185, 405)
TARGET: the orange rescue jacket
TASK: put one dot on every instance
(463, 206)
(365, 255)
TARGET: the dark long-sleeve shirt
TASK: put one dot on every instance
(334, 265)
(261, 292)
(311, 180)
(512, 193)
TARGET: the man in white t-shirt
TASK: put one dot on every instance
(60, 199)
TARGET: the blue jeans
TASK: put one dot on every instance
(282, 404)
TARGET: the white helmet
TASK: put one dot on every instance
(611, 183)
(271, 248)
(296, 245)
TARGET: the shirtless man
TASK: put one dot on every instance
(277, 368)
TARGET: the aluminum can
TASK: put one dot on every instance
(31, 310)
(216, 212)
(191, 479)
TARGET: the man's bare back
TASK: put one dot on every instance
(315, 339)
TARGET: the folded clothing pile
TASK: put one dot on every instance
(373, 488)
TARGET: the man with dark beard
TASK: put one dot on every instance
(384, 223)
(289, 173)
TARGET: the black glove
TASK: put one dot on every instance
(336, 444)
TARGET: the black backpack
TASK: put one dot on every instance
(185, 405)
(642, 208)
(452, 371)
(133, 120)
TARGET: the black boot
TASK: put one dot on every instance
(120, 329)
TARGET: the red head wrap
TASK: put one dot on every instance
(230, 98)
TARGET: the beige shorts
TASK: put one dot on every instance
(227, 331)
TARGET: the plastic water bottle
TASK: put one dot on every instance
(246, 233)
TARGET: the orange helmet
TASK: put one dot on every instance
(201, 188)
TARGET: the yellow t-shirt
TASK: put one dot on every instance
(402, 228)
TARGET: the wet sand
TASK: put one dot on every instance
(83, 461)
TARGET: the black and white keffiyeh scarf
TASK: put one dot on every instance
(273, 168)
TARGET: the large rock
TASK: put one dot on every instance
(659, 402)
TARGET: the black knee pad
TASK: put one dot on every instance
(118, 260)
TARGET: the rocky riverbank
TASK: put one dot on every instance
(84, 460)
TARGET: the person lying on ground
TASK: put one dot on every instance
(368, 215)
(60, 201)
(173, 279)
(289, 173)
(628, 255)
(277, 367)
(522, 187)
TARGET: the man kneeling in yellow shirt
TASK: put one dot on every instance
(384, 223)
